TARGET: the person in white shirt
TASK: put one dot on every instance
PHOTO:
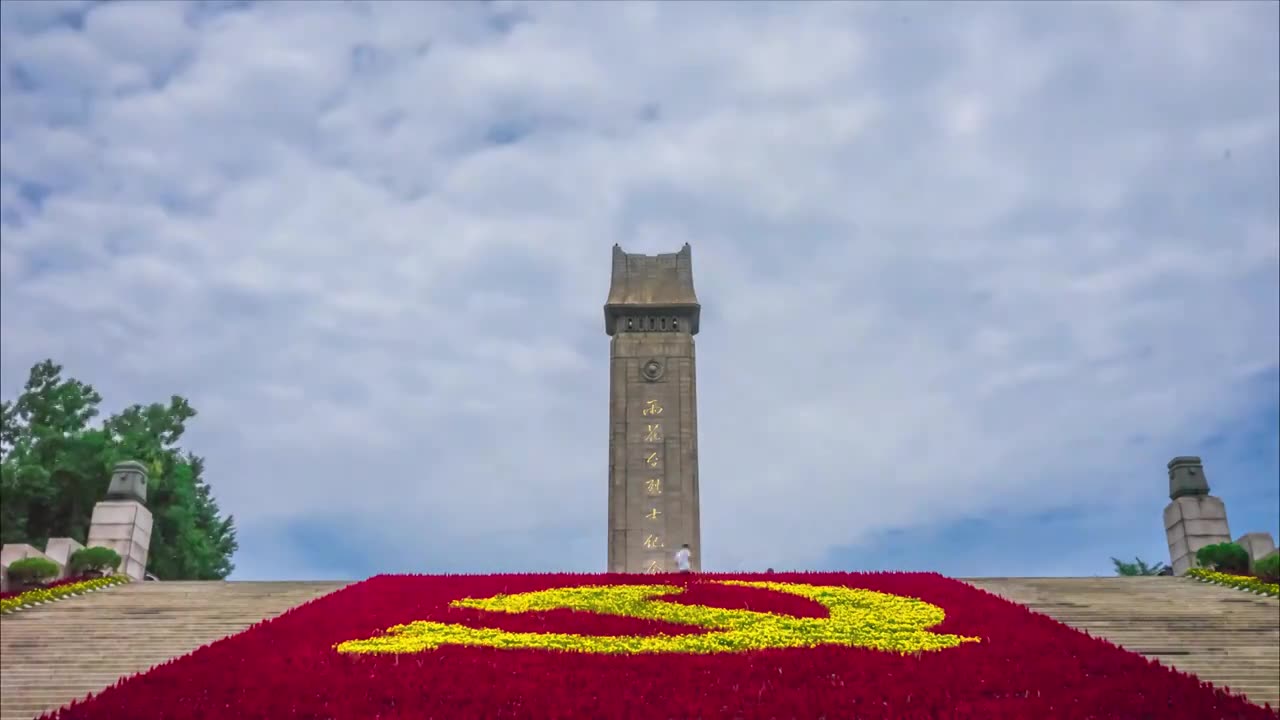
(682, 558)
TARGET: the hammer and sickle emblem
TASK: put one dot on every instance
(857, 618)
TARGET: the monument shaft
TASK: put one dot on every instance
(652, 314)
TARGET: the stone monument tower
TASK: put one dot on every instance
(1193, 518)
(122, 521)
(652, 316)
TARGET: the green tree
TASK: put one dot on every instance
(1137, 567)
(46, 456)
(54, 467)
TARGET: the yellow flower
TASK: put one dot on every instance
(1236, 581)
(40, 595)
(857, 618)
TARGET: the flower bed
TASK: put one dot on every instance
(1242, 582)
(14, 601)
(810, 645)
(47, 586)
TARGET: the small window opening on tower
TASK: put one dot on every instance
(628, 323)
(652, 323)
(664, 324)
(675, 323)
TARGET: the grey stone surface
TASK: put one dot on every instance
(652, 314)
(1176, 511)
(652, 289)
(128, 482)
(1257, 544)
(1186, 477)
(1192, 522)
(60, 551)
(123, 526)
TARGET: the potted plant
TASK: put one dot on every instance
(31, 572)
(93, 562)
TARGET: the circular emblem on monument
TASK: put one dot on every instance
(652, 370)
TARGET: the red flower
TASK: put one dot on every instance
(1026, 666)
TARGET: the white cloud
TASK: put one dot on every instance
(952, 258)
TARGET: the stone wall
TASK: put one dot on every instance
(1257, 544)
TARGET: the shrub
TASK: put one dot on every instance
(1224, 557)
(1268, 568)
(94, 559)
(1137, 567)
(33, 570)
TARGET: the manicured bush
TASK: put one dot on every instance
(32, 570)
(94, 560)
(1225, 557)
(1268, 568)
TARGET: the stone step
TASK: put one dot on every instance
(1228, 637)
(123, 631)
(1222, 635)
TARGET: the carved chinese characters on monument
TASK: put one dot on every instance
(651, 436)
(651, 316)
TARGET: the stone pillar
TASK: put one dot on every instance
(1193, 518)
(122, 522)
(652, 315)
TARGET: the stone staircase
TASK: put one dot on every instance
(1228, 637)
(53, 654)
(56, 653)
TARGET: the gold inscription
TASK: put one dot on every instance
(653, 513)
(652, 568)
(653, 432)
(653, 486)
(651, 408)
(652, 541)
(651, 459)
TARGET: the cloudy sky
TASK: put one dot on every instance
(971, 274)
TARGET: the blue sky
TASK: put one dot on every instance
(971, 273)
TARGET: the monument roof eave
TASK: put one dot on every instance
(651, 282)
(612, 311)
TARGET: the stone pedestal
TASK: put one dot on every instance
(123, 526)
(60, 551)
(1190, 523)
(1257, 544)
